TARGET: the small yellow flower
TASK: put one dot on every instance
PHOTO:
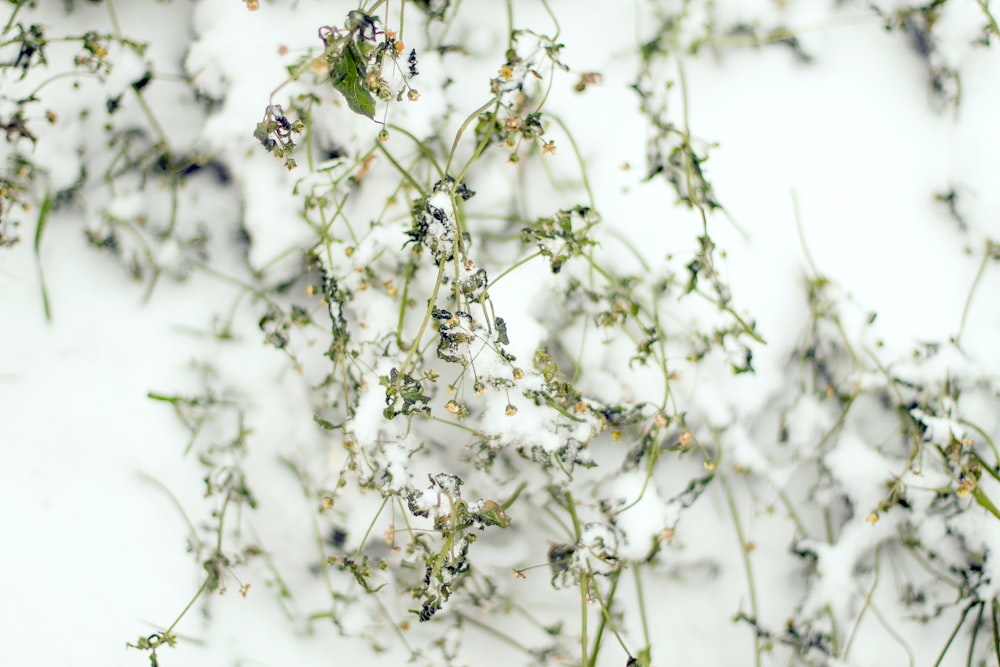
(548, 147)
(506, 72)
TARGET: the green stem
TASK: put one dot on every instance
(406, 174)
(883, 621)
(790, 507)
(10, 22)
(324, 567)
(43, 217)
(954, 632)
(865, 607)
(570, 505)
(113, 16)
(994, 610)
(422, 146)
(513, 498)
(371, 524)
(975, 634)
(972, 290)
(511, 268)
(747, 566)
(606, 620)
(579, 159)
(192, 531)
(423, 325)
(985, 436)
(458, 138)
(202, 589)
(493, 632)
(747, 329)
(408, 272)
(640, 597)
(985, 7)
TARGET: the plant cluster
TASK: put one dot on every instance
(134, 181)
(490, 390)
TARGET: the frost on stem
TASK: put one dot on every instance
(335, 299)
(453, 518)
(472, 281)
(434, 224)
(457, 331)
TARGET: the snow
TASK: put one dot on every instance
(94, 551)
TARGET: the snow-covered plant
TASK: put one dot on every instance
(500, 400)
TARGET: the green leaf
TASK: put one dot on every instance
(43, 217)
(984, 501)
(324, 424)
(348, 74)
(492, 514)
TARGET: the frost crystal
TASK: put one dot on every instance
(434, 225)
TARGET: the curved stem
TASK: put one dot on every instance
(972, 291)
(458, 137)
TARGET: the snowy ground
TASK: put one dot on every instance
(93, 553)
